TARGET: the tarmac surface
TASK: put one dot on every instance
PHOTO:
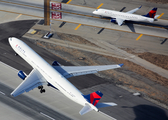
(129, 107)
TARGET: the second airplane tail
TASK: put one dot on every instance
(152, 13)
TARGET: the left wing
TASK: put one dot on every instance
(134, 10)
(33, 80)
(119, 21)
(70, 71)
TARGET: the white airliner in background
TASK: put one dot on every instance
(120, 17)
(56, 77)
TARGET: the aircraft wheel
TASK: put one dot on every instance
(40, 87)
(43, 90)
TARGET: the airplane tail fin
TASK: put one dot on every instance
(94, 97)
(152, 13)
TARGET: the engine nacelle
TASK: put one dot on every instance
(55, 63)
(22, 75)
(113, 20)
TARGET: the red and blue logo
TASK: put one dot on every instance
(94, 97)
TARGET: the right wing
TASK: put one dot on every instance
(70, 71)
(134, 10)
(33, 80)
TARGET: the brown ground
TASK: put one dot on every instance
(157, 59)
(158, 1)
(75, 39)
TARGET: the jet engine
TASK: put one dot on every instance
(113, 20)
(22, 75)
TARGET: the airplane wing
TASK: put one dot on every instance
(119, 21)
(70, 71)
(33, 80)
(134, 10)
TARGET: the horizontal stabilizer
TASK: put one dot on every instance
(85, 109)
(100, 105)
(156, 17)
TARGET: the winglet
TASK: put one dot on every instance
(121, 65)
(140, 6)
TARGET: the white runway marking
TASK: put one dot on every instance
(47, 116)
(2, 93)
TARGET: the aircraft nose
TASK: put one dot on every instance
(10, 39)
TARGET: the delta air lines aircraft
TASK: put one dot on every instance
(120, 17)
(56, 76)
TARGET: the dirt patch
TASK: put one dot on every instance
(157, 59)
(75, 38)
(158, 1)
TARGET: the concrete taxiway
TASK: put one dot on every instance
(83, 15)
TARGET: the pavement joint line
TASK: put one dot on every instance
(160, 16)
(18, 16)
(99, 5)
(21, 4)
(78, 26)
(2, 93)
(68, 1)
(21, 13)
(139, 36)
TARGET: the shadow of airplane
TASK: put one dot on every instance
(147, 112)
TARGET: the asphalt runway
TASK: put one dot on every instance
(129, 107)
(28, 106)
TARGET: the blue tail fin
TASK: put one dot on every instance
(152, 13)
(94, 97)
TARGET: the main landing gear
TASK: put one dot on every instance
(41, 89)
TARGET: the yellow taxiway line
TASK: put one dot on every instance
(160, 16)
(68, 1)
(78, 26)
(99, 5)
(18, 16)
(139, 37)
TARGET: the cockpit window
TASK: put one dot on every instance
(96, 9)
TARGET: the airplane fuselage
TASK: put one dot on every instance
(122, 15)
(48, 72)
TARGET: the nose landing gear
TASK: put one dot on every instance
(41, 89)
